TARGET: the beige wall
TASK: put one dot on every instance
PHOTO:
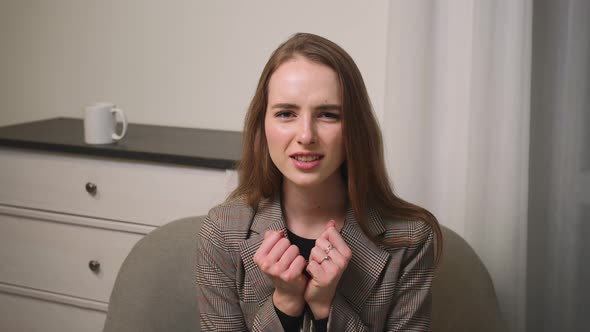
(182, 63)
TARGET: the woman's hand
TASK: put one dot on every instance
(281, 262)
(328, 260)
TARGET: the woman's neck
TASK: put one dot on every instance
(307, 210)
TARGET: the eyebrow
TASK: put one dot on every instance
(324, 107)
(285, 106)
(329, 107)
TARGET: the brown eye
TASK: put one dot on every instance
(284, 114)
(330, 115)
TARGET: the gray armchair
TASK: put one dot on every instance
(155, 288)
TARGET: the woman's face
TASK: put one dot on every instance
(303, 122)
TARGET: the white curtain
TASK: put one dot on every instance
(456, 126)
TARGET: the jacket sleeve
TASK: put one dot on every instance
(343, 317)
(217, 297)
(217, 287)
(412, 306)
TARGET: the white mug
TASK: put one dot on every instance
(100, 123)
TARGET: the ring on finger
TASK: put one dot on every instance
(326, 258)
(328, 248)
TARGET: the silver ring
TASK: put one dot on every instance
(328, 248)
(326, 258)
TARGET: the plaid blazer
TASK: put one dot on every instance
(382, 289)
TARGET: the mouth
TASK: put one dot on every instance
(306, 157)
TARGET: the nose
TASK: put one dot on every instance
(307, 132)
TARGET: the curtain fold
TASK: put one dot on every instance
(456, 126)
(559, 205)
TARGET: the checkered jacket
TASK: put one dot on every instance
(382, 289)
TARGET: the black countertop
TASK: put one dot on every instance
(176, 145)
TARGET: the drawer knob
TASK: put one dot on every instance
(94, 266)
(91, 188)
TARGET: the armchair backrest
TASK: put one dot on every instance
(463, 294)
(155, 288)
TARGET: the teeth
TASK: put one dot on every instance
(307, 158)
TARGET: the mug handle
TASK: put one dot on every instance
(120, 112)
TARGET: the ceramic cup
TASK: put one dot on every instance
(100, 123)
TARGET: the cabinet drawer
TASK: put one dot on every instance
(52, 256)
(27, 314)
(151, 194)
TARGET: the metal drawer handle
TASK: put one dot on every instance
(94, 266)
(91, 188)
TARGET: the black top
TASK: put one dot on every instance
(176, 145)
(290, 323)
(304, 245)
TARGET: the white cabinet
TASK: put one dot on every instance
(67, 223)
(27, 314)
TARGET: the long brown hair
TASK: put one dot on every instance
(364, 170)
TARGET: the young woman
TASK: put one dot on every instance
(313, 238)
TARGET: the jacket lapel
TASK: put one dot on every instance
(368, 260)
(269, 215)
